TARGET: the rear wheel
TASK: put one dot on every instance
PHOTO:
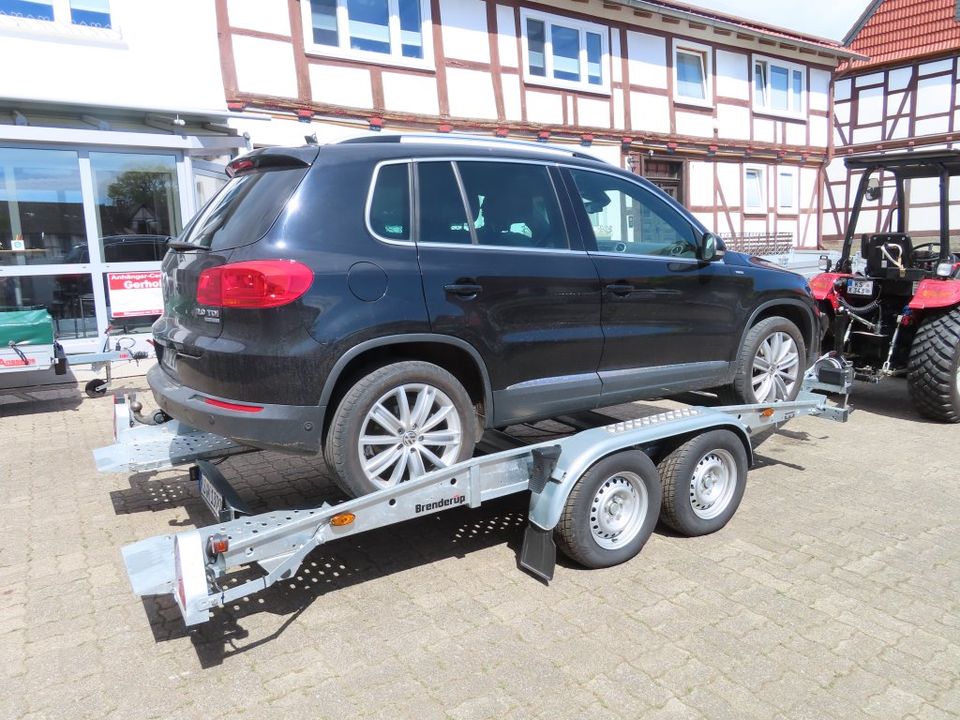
(770, 364)
(611, 511)
(934, 370)
(397, 423)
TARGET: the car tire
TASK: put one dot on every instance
(397, 422)
(933, 374)
(758, 380)
(611, 511)
(703, 483)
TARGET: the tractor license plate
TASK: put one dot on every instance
(211, 496)
(859, 287)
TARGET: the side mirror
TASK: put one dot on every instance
(873, 189)
(824, 263)
(711, 247)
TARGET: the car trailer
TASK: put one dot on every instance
(597, 490)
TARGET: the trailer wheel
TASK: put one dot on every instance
(934, 371)
(703, 483)
(96, 388)
(611, 511)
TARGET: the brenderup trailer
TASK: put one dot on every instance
(597, 491)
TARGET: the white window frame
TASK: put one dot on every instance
(764, 104)
(706, 54)
(583, 28)
(394, 57)
(61, 26)
(763, 207)
(792, 173)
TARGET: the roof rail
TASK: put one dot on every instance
(473, 141)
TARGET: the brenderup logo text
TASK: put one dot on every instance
(445, 503)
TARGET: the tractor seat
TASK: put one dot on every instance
(878, 265)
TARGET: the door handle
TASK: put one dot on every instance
(620, 289)
(464, 290)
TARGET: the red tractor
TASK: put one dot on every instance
(900, 314)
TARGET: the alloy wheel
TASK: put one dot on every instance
(776, 366)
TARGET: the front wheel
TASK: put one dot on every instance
(934, 370)
(611, 511)
(397, 423)
(770, 364)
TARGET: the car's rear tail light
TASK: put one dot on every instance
(254, 284)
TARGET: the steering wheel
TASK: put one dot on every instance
(677, 249)
(924, 257)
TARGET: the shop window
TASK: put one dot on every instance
(564, 52)
(88, 13)
(692, 74)
(41, 210)
(778, 87)
(136, 195)
(68, 298)
(375, 30)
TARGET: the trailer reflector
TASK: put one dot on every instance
(342, 519)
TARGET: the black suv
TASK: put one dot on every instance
(384, 300)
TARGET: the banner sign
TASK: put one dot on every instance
(135, 293)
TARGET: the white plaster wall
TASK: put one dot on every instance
(341, 85)
(410, 93)
(544, 107)
(796, 134)
(265, 66)
(819, 95)
(291, 132)
(863, 135)
(808, 183)
(647, 59)
(608, 153)
(728, 175)
(706, 218)
(871, 79)
(470, 93)
(733, 122)
(593, 113)
(732, 76)
(701, 184)
(763, 130)
(464, 24)
(694, 124)
(272, 16)
(649, 112)
(935, 67)
(161, 55)
(870, 106)
(932, 126)
(511, 96)
(924, 190)
(619, 115)
(506, 36)
(841, 111)
(899, 78)
(841, 89)
(616, 56)
(933, 95)
(819, 129)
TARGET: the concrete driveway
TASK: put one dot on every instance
(833, 593)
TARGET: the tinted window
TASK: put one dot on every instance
(629, 218)
(390, 204)
(243, 211)
(443, 218)
(513, 204)
(147, 248)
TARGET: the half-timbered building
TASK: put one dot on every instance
(730, 116)
(902, 96)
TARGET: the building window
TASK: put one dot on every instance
(754, 189)
(563, 52)
(787, 190)
(89, 13)
(392, 31)
(692, 73)
(778, 87)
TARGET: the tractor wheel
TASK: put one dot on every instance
(934, 370)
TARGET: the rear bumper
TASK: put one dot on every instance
(285, 428)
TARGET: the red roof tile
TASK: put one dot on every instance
(891, 31)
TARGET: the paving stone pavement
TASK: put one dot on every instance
(832, 594)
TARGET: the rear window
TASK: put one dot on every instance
(243, 211)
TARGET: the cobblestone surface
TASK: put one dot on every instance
(833, 593)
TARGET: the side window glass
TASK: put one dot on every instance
(443, 218)
(513, 204)
(390, 204)
(629, 219)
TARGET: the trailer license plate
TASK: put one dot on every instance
(860, 287)
(211, 496)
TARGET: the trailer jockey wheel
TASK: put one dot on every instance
(703, 483)
(96, 388)
(611, 511)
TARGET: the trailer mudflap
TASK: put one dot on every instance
(150, 565)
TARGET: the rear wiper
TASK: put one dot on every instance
(174, 244)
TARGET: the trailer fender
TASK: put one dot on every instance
(583, 450)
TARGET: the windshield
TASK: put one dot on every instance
(243, 211)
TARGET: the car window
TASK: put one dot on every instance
(513, 204)
(443, 218)
(627, 218)
(390, 203)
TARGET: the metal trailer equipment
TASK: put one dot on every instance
(597, 490)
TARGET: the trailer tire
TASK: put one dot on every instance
(342, 449)
(703, 483)
(96, 388)
(933, 374)
(611, 511)
(771, 332)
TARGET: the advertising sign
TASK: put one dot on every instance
(134, 293)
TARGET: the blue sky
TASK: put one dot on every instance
(826, 18)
